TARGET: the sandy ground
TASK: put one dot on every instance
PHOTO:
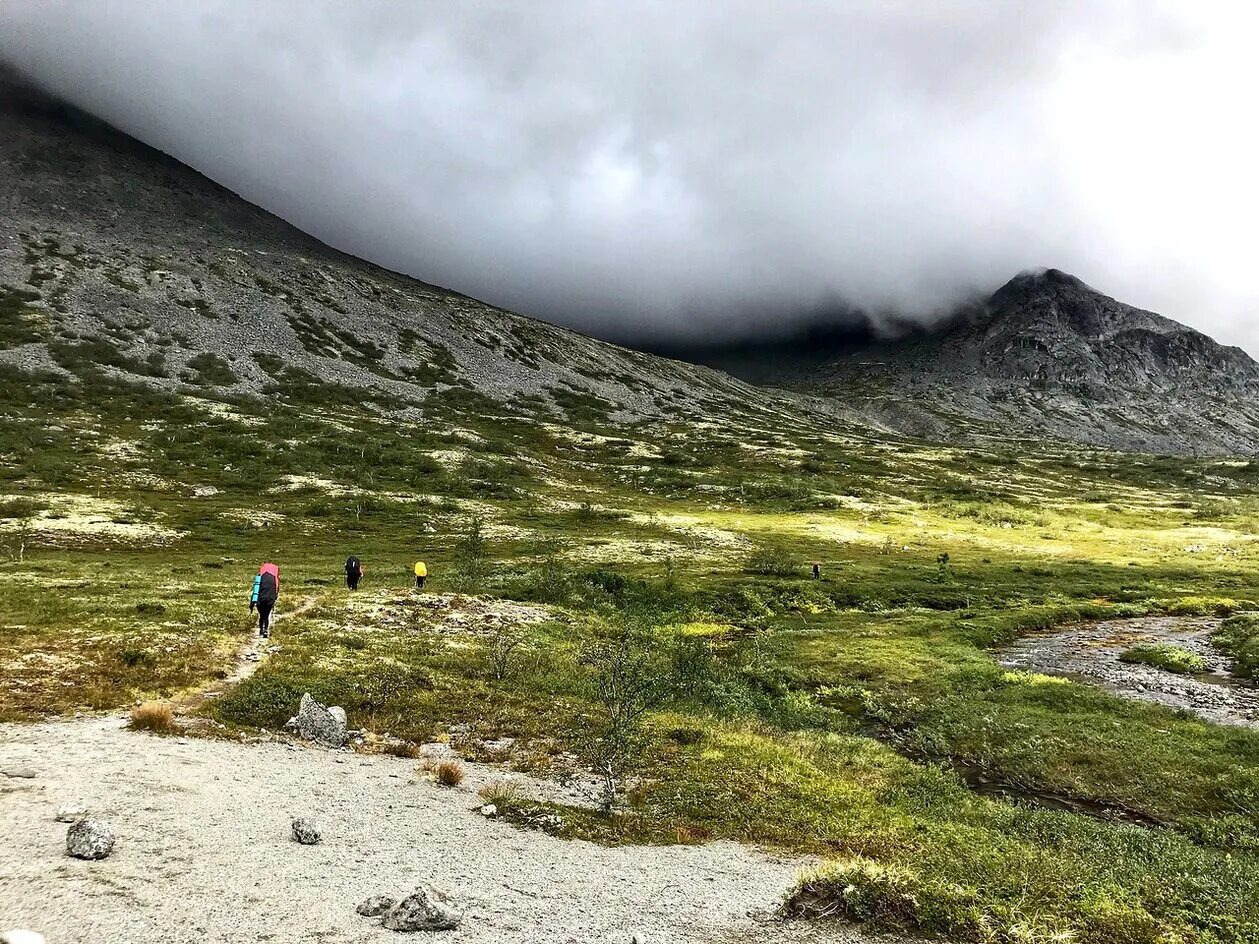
(204, 853)
(1090, 652)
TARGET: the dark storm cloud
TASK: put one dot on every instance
(643, 168)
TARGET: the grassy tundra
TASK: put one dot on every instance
(662, 624)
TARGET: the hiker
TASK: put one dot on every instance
(817, 570)
(266, 591)
(353, 572)
(420, 573)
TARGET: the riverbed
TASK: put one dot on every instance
(1090, 653)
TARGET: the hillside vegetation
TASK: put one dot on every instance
(843, 716)
(619, 549)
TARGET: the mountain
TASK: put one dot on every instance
(116, 257)
(1049, 356)
(117, 260)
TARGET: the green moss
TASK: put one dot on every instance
(1163, 655)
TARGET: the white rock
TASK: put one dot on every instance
(70, 813)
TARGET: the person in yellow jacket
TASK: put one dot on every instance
(420, 573)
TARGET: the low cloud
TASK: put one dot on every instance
(659, 169)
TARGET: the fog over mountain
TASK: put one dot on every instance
(662, 170)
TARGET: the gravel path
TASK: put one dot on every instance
(1091, 653)
(204, 853)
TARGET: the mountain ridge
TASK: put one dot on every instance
(1047, 354)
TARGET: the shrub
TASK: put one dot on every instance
(771, 563)
(1163, 655)
(627, 679)
(1239, 637)
(208, 370)
(153, 716)
(449, 773)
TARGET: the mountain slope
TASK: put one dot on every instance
(1047, 355)
(116, 255)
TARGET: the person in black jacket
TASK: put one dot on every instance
(266, 591)
(353, 572)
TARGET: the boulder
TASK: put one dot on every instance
(305, 831)
(425, 909)
(18, 773)
(70, 813)
(316, 723)
(375, 906)
(89, 839)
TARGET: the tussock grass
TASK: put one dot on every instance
(406, 749)
(449, 773)
(153, 716)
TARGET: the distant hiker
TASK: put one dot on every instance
(353, 572)
(420, 573)
(817, 571)
(265, 592)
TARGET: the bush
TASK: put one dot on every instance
(153, 716)
(771, 563)
(1163, 655)
(1239, 637)
(449, 773)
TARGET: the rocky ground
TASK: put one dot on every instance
(1091, 652)
(205, 852)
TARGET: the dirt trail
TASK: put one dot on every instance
(1090, 652)
(204, 853)
(251, 654)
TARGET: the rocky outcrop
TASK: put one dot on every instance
(314, 722)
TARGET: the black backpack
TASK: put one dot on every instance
(352, 565)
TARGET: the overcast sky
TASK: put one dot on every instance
(682, 167)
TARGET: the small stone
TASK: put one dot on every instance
(375, 906)
(426, 909)
(89, 839)
(489, 810)
(21, 937)
(70, 813)
(20, 773)
(637, 938)
(305, 831)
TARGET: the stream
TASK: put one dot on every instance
(1090, 653)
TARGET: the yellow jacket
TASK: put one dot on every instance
(420, 569)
